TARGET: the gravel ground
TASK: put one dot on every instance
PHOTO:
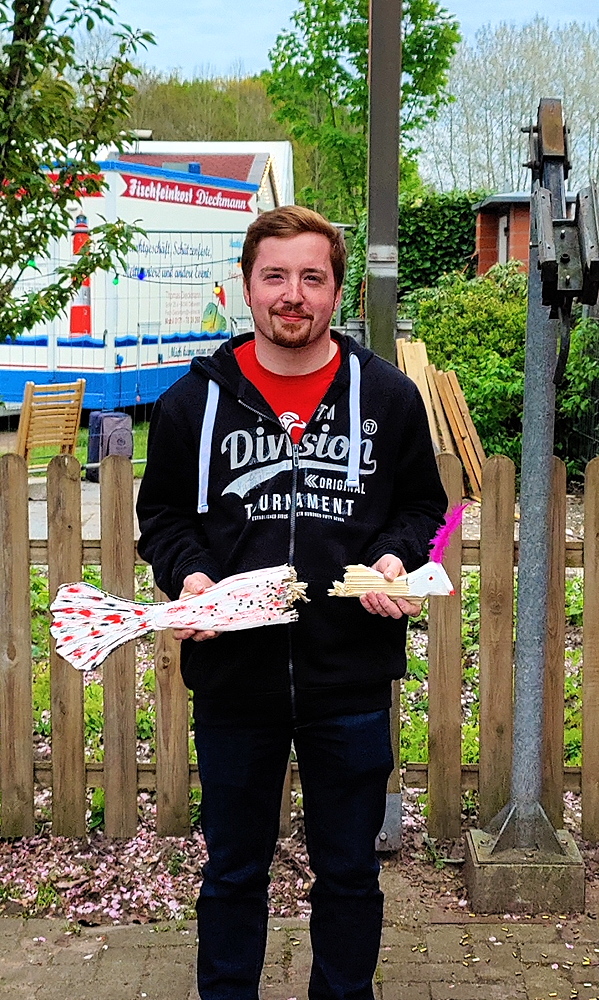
(574, 519)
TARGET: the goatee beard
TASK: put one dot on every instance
(287, 335)
(282, 339)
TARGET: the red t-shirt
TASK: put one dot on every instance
(293, 398)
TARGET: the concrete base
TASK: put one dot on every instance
(523, 881)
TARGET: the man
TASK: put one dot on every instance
(291, 445)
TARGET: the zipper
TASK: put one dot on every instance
(292, 521)
(259, 413)
(292, 512)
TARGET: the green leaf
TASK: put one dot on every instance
(55, 111)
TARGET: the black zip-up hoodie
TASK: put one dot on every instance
(225, 490)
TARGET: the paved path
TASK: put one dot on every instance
(90, 509)
(437, 956)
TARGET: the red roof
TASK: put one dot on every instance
(233, 166)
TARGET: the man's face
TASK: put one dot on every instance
(292, 289)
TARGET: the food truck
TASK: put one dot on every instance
(131, 332)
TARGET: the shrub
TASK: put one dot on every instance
(477, 327)
(436, 236)
(354, 275)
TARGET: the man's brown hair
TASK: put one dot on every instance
(291, 220)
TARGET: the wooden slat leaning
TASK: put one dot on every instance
(496, 634)
(445, 681)
(459, 432)
(172, 736)
(66, 683)
(118, 577)
(416, 361)
(552, 798)
(465, 413)
(399, 342)
(590, 673)
(446, 440)
(16, 716)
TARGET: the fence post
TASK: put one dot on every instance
(118, 577)
(445, 681)
(496, 656)
(590, 673)
(552, 798)
(66, 683)
(172, 737)
(16, 723)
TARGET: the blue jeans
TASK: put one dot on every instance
(344, 763)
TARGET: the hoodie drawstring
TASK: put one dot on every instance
(355, 429)
(206, 445)
(355, 422)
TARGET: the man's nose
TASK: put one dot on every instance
(293, 291)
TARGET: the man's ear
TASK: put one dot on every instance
(246, 295)
(337, 300)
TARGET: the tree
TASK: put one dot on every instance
(57, 110)
(496, 82)
(212, 109)
(319, 85)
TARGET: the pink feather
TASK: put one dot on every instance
(441, 540)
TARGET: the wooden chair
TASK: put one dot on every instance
(50, 417)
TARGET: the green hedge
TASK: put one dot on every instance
(477, 327)
(436, 236)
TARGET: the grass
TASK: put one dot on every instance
(41, 456)
(414, 693)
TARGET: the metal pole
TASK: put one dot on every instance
(528, 866)
(533, 564)
(524, 823)
(384, 75)
(384, 61)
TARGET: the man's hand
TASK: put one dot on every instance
(381, 604)
(195, 583)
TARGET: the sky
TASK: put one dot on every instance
(215, 37)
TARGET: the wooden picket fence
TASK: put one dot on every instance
(172, 775)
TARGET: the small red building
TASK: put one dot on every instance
(502, 228)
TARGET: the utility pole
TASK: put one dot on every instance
(520, 863)
(384, 74)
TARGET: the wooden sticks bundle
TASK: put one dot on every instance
(360, 579)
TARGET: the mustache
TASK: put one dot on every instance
(291, 312)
